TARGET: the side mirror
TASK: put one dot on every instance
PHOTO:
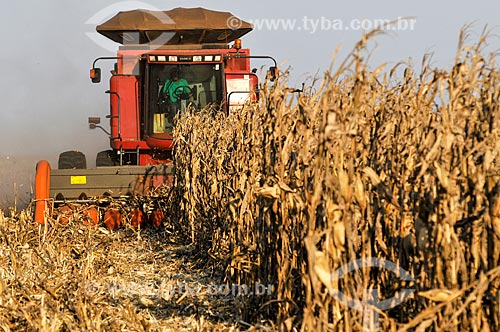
(272, 73)
(94, 121)
(95, 75)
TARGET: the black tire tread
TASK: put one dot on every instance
(106, 158)
(72, 160)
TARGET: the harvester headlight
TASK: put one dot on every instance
(198, 58)
(209, 58)
(162, 58)
(217, 58)
(172, 58)
(152, 58)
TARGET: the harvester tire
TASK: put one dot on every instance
(72, 160)
(106, 158)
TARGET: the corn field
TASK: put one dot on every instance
(369, 201)
(391, 166)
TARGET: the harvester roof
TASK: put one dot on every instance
(179, 26)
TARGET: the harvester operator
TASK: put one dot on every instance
(176, 89)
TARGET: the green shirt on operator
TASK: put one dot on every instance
(175, 86)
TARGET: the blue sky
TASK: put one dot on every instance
(47, 54)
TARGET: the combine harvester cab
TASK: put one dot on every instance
(202, 48)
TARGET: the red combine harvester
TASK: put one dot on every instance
(169, 61)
